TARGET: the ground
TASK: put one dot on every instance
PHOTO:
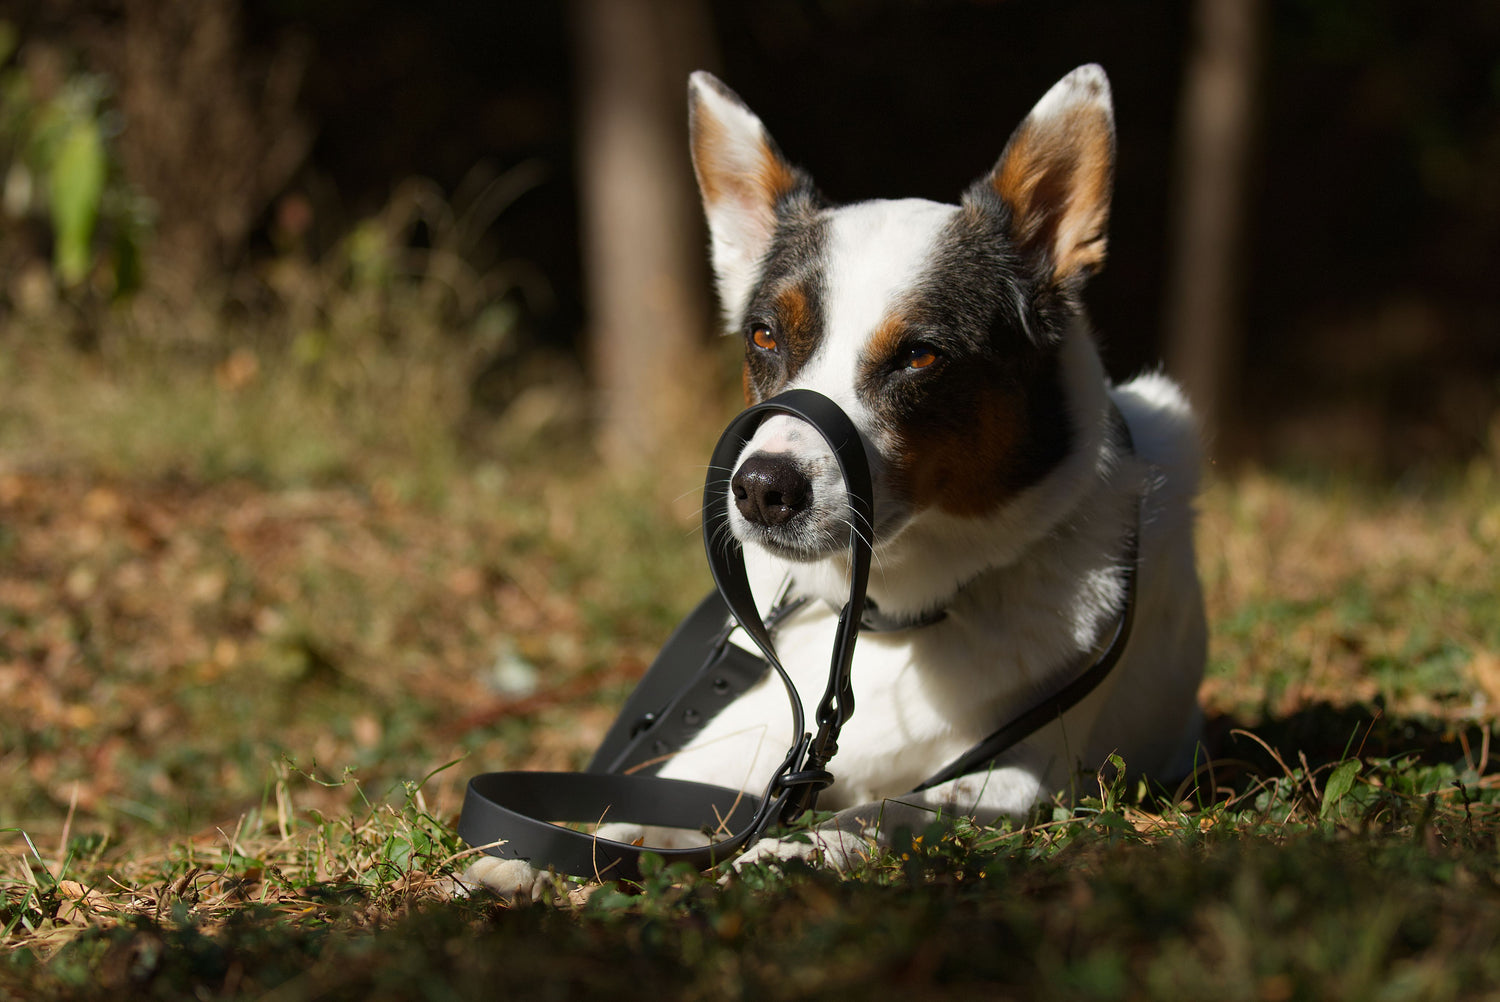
(239, 698)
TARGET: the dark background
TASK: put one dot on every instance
(1368, 302)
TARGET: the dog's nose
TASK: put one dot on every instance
(770, 490)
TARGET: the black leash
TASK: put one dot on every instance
(511, 814)
(699, 672)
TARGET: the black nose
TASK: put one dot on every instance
(770, 490)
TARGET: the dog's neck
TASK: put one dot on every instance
(877, 620)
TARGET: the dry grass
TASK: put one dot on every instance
(1348, 593)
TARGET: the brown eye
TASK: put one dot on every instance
(920, 357)
(763, 338)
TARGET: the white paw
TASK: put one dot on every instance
(772, 851)
(652, 837)
(833, 848)
(511, 879)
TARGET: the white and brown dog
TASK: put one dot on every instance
(954, 338)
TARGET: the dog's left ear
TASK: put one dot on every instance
(1056, 174)
(742, 178)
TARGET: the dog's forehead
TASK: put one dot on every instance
(877, 252)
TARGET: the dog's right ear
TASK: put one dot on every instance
(741, 176)
(1056, 174)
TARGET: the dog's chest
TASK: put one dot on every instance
(922, 698)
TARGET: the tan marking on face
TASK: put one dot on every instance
(1056, 176)
(967, 470)
(794, 314)
(885, 339)
(792, 308)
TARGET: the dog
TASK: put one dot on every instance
(1009, 501)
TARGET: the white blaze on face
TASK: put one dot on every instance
(876, 252)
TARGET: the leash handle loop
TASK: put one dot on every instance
(801, 775)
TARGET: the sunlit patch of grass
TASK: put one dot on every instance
(293, 862)
(1353, 594)
(161, 643)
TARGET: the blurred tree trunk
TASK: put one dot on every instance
(643, 241)
(1214, 134)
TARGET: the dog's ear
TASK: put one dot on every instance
(1056, 174)
(741, 176)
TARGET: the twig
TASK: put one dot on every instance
(67, 830)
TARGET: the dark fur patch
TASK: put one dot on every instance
(788, 297)
(992, 419)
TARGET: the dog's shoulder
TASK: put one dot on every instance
(1164, 428)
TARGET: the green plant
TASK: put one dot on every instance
(60, 168)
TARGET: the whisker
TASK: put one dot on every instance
(868, 541)
(723, 537)
(701, 508)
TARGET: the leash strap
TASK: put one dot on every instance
(683, 690)
(696, 674)
(519, 815)
(800, 778)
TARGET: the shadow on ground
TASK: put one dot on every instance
(1323, 734)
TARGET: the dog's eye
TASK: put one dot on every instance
(761, 337)
(920, 356)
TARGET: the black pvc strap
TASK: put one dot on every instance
(803, 772)
(687, 656)
(726, 672)
(516, 807)
(512, 814)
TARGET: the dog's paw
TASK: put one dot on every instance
(835, 848)
(514, 880)
(774, 851)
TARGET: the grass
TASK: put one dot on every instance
(260, 619)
